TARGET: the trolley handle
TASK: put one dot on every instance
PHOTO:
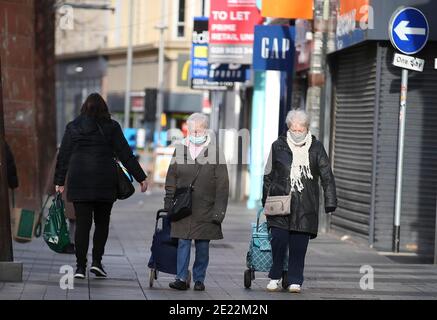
(258, 215)
(159, 216)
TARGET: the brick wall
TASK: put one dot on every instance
(27, 57)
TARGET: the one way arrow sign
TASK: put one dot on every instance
(408, 30)
(402, 30)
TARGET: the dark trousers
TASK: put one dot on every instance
(84, 219)
(297, 244)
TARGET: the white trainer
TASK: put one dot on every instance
(294, 288)
(273, 285)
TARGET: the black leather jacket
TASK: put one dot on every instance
(305, 205)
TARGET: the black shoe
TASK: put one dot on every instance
(98, 270)
(178, 285)
(69, 249)
(199, 286)
(80, 272)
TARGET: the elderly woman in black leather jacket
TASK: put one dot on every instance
(297, 160)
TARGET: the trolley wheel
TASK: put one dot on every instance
(247, 279)
(285, 280)
(152, 277)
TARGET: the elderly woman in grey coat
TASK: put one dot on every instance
(197, 155)
(297, 160)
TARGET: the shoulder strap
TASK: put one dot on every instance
(197, 174)
(101, 132)
(104, 137)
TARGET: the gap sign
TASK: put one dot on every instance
(274, 48)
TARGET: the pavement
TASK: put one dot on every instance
(333, 267)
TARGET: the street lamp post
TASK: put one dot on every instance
(160, 96)
(127, 98)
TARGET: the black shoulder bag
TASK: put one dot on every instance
(182, 202)
(125, 188)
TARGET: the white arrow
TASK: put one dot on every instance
(402, 30)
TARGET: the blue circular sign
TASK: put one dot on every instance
(408, 30)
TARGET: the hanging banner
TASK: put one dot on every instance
(290, 9)
(274, 48)
(231, 27)
(199, 59)
(228, 72)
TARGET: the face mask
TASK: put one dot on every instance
(198, 140)
(298, 137)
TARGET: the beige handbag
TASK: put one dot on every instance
(277, 205)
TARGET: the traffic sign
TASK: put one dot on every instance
(408, 30)
(407, 62)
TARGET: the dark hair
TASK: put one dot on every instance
(95, 107)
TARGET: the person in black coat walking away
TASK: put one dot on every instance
(297, 160)
(87, 156)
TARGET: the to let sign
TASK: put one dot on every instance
(408, 62)
(231, 24)
(274, 48)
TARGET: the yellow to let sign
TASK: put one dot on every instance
(289, 9)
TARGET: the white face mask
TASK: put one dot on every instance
(198, 140)
(298, 137)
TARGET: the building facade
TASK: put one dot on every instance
(364, 97)
(28, 74)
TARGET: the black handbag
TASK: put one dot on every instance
(125, 188)
(182, 202)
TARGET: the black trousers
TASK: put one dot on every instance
(84, 219)
(297, 244)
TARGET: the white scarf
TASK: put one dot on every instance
(300, 168)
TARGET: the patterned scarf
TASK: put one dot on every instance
(300, 168)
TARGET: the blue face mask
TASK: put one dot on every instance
(198, 140)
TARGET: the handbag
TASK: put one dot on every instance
(277, 205)
(125, 188)
(56, 233)
(182, 201)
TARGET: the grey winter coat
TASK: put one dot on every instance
(210, 195)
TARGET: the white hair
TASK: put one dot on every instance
(298, 116)
(199, 118)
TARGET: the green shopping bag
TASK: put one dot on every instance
(55, 232)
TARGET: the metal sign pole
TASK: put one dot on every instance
(400, 168)
(435, 238)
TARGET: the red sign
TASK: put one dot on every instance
(231, 30)
(137, 104)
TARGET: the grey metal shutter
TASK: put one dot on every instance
(420, 162)
(354, 100)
